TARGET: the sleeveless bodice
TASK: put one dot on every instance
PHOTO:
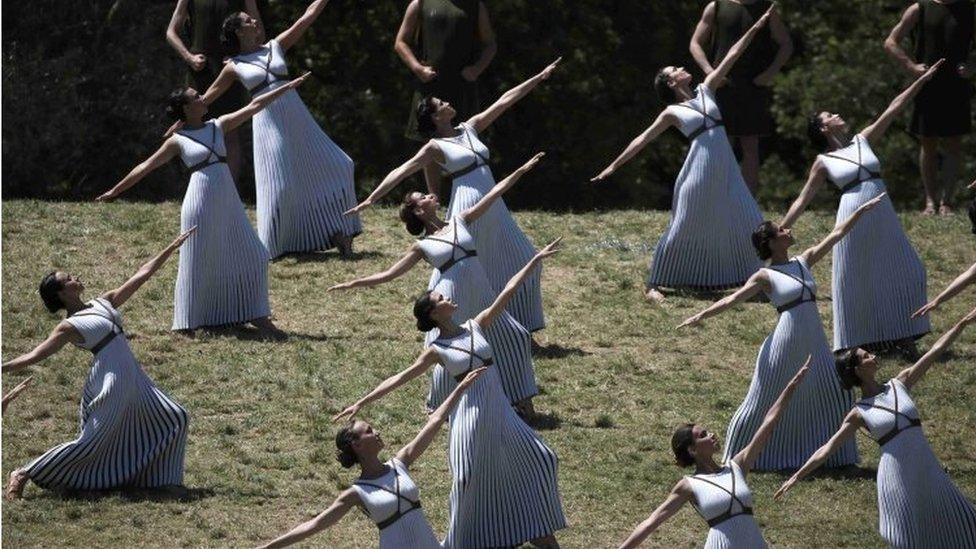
(202, 147)
(698, 114)
(889, 413)
(462, 153)
(206, 17)
(944, 31)
(390, 496)
(446, 249)
(99, 325)
(851, 165)
(792, 284)
(448, 34)
(262, 70)
(464, 352)
(721, 496)
(732, 20)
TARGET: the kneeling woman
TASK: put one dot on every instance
(919, 506)
(132, 434)
(384, 490)
(719, 494)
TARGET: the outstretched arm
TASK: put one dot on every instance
(8, 398)
(122, 294)
(816, 253)
(663, 121)
(428, 154)
(911, 375)
(288, 38)
(892, 44)
(232, 120)
(747, 457)
(702, 37)
(169, 149)
(818, 174)
(221, 84)
(484, 119)
(409, 453)
(427, 359)
(474, 212)
(63, 334)
(876, 130)
(957, 285)
(327, 518)
(196, 60)
(716, 77)
(680, 494)
(758, 281)
(398, 269)
(847, 430)
(486, 317)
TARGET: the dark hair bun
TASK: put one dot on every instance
(421, 311)
(49, 288)
(761, 237)
(846, 362)
(662, 87)
(815, 132)
(174, 104)
(425, 116)
(344, 453)
(414, 224)
(228, 33)
(683, 438)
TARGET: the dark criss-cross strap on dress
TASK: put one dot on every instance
(214, 157)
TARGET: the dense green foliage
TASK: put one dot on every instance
(84, 81)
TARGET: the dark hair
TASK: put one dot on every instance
(228, 33)
(846, 361)
(815, 132)
(49, 288)
(972, 214)
(765, 232)
(664, 91)
(344, 453)
(414, 225)
(425, 116)
(421, 310)
(680, 441)
(175, 103)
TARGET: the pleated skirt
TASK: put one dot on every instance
(223, 268)
(816, 410)
(304, 180)
(878, 279)
(502, 246)
(739, 532)
(132, 434)
(505, 480)
(707, 245)
(411, 531)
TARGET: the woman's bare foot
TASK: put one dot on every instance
(15, 488)
(653, 295)
(929, 209)
(945, 209)
(265, 325)
(343, 243)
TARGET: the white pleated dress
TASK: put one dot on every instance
(724, 500)
(459, 275)
(879, 280)
(707, 245)
(392, 501)
(132, 434)
(223, 269)
(502, 246)
(505, 488)
(819, 405)
(304, 180)
(919, 506)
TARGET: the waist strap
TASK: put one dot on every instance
(898, 430)
(102, 343)
(728, 515)
(796, 302)
(474, 165)
(414, 505)
(455, 260)
(460, 377)
(704, 128)
(206, 163)
(859, 180)
(272, 78)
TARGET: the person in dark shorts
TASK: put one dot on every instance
(943, 109)
(744, 101)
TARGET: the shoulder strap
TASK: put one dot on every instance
(734, 499)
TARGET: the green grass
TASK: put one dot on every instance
(616, 378)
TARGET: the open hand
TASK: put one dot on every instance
(925, 309)
(550, 249)
(532, 162)
(872, 203)
(359, 207)
(107, 196)
(694, 320)
(969, 319)
(472, 376)
(7, 398)
(299, 81)
(785, 488)
(546, 72)
(930, 72)
(765, 17)
(182, 238)
(340, 286)
(607, 172)
(349, 412)
(801, 372)
(972, 185)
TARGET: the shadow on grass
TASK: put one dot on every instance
(169, 494)
(849, 472)
(545, 421)
(321, 257)
(555, 350)
(250, 333)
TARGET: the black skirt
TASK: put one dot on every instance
(745, 108)
(943, 107)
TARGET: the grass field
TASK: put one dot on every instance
(616, 378)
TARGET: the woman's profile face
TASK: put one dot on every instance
(368, 440)
(677, 76)
(443, 307)
(830, 122)
(867, 366)
(194, 106)
(443, 111)
(705, 442)
(70, 285)
(249, 27)
(424, 204)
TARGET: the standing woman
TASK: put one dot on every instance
(456, 43)
(384, 490)
(457, 152)
(919, 506)
(132, 434)
(304, 180)
(223, 274)
(789, 285)
(878, 279)
(719, 493)
(460, 277)
(505, 489)
(706, 244)
(205, 57)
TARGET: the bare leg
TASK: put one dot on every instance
(548, 542)
(749, 145)
(232, 141)
(952, 147)
(928, 159)
(15, 488)
(653, 295)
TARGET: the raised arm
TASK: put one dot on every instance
(784, 49)
(327, 518)
(747, 457)
(221, 84)
(169, 149)
(428, 154)
(702, 37)
(758, 281)
(405, 41)
(901, 31)
(474, 212)
(486, 38)
(957, 285)
(196, 60)
(427, 359)
(714, 79)
(815, 180)
(63, 334)
(876, 130)
(484, 119)
(398, 269)
(663, 121)
(120, 295)
(911, 375)
(848, 429)
(291, 35)
(680, 494)
(486, 317)
(409, 453)
(14, 393)
(817, 251)
(232, 120)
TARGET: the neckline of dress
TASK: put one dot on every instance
(723, 469)
(389, 469)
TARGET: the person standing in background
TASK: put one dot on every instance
(943, 108)
(455, 43)
(745, 99)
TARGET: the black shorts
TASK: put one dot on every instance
(745, 108)
(943, 107)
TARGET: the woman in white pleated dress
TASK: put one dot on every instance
(871, 308)
(505, 490)
(460, 277)
(718, 492)
(918, 504)
(223, 273)
(458, 153)
(822, 402)
(304, 180)
(706, 245)
(384, 490)
(132, 434)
